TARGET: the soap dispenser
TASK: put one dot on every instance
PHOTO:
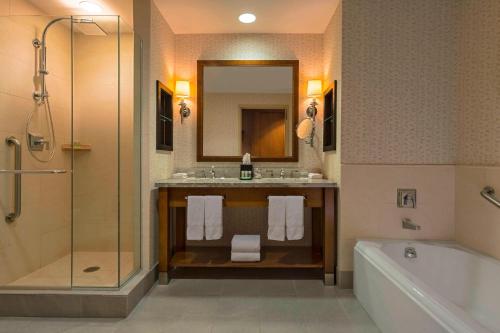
(246, 168)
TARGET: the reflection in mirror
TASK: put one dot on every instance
(248, 109)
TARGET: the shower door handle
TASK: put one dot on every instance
(17, 179)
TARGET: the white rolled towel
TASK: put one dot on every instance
(245, 256)
(245, 243)
(294, 217)
(213, 217)
(276, 218)
(195, 217)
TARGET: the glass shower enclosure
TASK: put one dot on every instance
(70, 154)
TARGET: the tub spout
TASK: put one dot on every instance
(408, 224)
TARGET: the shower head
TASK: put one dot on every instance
(89, 27)
(86, 26)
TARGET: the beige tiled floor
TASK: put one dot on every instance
(58, 273)
(213, 306)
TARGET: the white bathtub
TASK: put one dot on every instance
(447, 288)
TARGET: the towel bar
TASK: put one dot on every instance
(489, 194)
(220, 195)
(303, 195)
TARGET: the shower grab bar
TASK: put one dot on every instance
(39, 172)
(488, 193)
(11, 217)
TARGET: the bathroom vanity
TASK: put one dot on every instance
(179, 260)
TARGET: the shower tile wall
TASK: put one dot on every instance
(96, 123)
(42, 234)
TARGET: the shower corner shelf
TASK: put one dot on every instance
(79, 147)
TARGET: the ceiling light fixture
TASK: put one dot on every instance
(90, 6)
(247, 18)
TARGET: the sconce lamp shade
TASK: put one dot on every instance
(314, 88)
(182, 89)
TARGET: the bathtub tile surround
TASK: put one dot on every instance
(477, 220)
(369, 208)
(444, 116)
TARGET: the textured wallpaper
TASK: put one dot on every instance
(332, 70)
(479, 89)
(307, 48)
(161, 68)
(399, 82)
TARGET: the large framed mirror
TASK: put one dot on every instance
(247, 106)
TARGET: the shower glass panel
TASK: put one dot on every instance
(35, 248)
(80, 227)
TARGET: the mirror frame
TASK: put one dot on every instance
(294, 64)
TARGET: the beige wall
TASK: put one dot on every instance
(332, 70)
(43, 232)
(307, 48)
(158, 64)
(225, 108)
(478, 221)
(399, 109)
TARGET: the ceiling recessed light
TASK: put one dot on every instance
(247, 18)
(90, 6)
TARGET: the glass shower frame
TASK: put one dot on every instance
(134, 89)
(77, 150)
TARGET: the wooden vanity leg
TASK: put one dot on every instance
(164, 231)
(329, 236)
(317, 227)
(180, 229)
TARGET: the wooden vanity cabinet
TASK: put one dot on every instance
(175, 257)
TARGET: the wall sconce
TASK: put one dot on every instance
(307, 127)
(314, 90)
(182, 92)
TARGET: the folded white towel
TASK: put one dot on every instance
(245, 243)
(276, 218)
(179, 175)
(245, 256)
(313, 175)
(213, 217)
(195, 217)
(294, 217)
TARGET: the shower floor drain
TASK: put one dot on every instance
(91, 269)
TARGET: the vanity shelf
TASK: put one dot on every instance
(179, 259)
(272, 257)
(81, 147)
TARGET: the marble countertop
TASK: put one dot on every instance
(235, 182)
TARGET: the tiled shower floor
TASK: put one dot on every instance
(58, 273)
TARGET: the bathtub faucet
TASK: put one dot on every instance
(408, 224)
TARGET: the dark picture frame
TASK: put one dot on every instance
(164, 118)
(330, 118)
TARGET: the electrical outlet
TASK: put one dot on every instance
(407, 198)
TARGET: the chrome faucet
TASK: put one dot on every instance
(408, 224)
(282, 173)
(212, 172)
